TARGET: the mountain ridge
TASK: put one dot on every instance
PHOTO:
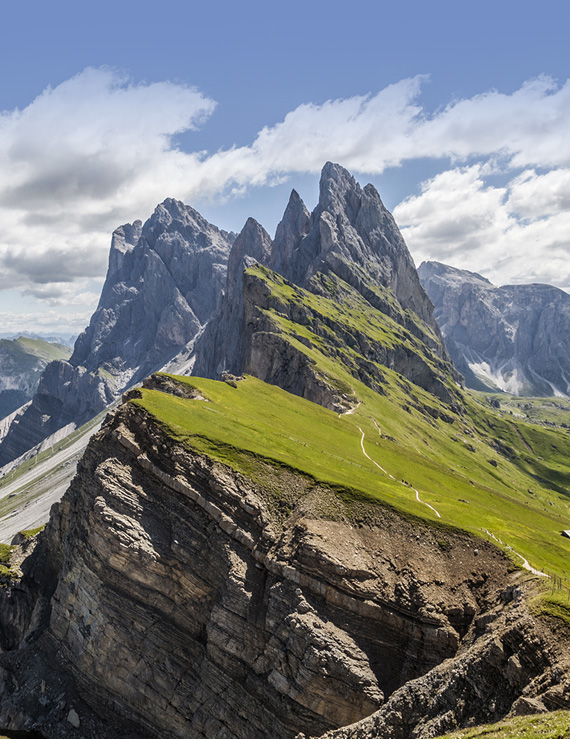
(163, 282)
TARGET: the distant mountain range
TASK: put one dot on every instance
(514, 338)
(22, 361)
(51, 338)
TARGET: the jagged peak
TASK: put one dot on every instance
(123, 241)
(252, 241)
(253, 228)
(339, 191)
(175, 211)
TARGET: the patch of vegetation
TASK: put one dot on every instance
(259, 423)
(5, 557)
(554, 602)
(554, 725)
(9, 734)
(520, 502)
(29, 533)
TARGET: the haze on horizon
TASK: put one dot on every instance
(459, 117)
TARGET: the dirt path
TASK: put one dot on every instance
(525, 562)
(392, 476)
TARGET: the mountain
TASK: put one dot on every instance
(341, 543)
(514, 338)
(233, 560)
(163, 282)
(349, 251)
(22, 361)
(51, 338)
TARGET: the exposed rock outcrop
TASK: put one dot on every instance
(172, 597)
(514, 338)
(164, 281)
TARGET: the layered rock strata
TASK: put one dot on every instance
(172, 597)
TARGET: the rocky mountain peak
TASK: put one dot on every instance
(512, 338)
(431, 270)
(294, 226)
(253, 241)
(339, 192)
(165, 280)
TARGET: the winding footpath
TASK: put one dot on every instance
(422, 502)
(525, 563)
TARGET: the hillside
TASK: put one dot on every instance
(22, 361)
(334, 540)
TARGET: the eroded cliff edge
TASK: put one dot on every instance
(171, 596)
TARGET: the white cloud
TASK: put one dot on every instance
(44, 322)
(516, 233)
(76, 162)
(98, 150)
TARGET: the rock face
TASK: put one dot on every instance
(163, 283)
(514, 338)
(22, 361)
(349, 243)
(170, 597)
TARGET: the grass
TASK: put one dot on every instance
(256, 421)
(29, 533)
(5, 556)
(554, 725)
(8, 734)
(553, 412)
(482, 469)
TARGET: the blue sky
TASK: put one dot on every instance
(457, 112)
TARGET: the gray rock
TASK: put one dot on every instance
(164, 281)
(514, 338)
(73, 718)
(349, 237)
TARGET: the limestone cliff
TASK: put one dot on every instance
(164, 280)
(513, 338)
(171, 596)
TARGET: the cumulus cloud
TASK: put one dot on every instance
(74, 162)
(45, 322)
(99, 150)
(512, 234)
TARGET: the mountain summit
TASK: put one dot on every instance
(348, 251)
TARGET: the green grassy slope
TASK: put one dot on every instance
(256, 420)
(546, 726)
(481, 469)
